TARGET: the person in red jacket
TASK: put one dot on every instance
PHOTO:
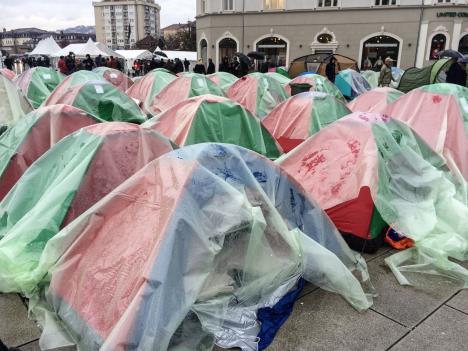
(62, 66)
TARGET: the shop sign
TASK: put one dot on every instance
(452, 14)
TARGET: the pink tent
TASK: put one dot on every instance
(33, 135)
(115, 77)
(376, 100)
(8, 73)
(438, 113)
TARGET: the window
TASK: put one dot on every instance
(442, 1)
(324, 38)
(228, 5)
(328, 3)
(203, 6)
(273, 4)
(437, 45)
(385, 2)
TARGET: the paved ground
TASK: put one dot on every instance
(431, 317)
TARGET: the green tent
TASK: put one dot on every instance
(417, 77)
(13, 104)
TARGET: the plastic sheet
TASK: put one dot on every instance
(258, 92)
(13, 104)
(301, 116)
(319, 84)
(66, 181)
(223, 79)
(439, 114)
(211, 118)
(283, 80)
(372, 78)
(38, 83)
(351, 84)
(115, 77)
(8, 73)
(185, 87)
(100, 99)
(220, 234)
(32, 136)
(377, 100)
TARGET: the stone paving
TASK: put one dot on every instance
(430, 317)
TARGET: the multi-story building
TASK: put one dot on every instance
(409, 31)
(23, 40)
(121, 23)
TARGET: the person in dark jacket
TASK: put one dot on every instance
(330, 69)
(224, 65)
(8, 62)
(88, 63)
(187, 65)
(70, 62)
(265, 66)
(98, 61)
(211, 67)
(178, 66)
(199, 67)
(457, 73)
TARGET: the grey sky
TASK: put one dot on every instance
(60, 14)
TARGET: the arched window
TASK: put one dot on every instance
(378, 48)
(438, 43)
(325, 38)
(463, 46)
(204, 50)
(274, 48)
(227, 48)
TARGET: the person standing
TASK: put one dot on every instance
(378, 64)
(211, 67)
(70, 62)
(330, 69)
(457, 73)
(179, 67)
(199, 67)
(235, 66)
(62, 66)
(187, 65)
(88, 63)
(386, 77)
(98, 60)
(8, 62)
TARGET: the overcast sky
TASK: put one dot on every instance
(61, 14)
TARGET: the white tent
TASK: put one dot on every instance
(91, 48)
(131, 55)
(189, 55)
(46, 47)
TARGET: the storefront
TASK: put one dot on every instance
(274, 48)
(378, 48)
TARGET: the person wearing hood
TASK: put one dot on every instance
(456, 74)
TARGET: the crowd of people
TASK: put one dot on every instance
(141, 67)
(70, 63)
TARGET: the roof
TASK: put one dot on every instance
(175, 26)
(135, 54)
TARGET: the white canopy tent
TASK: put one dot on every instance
(46, 47)
(91, 48)
(131, 55)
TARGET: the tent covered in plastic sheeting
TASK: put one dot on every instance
(439, 114)
(234, 236)
(211, 118)
(344, 168)
(13, 104)
(32, 136)
(301, 116)
(372, 78)
(351, 84)
(318, 83)
(258, 92)
(375, 100)
(145, 89)
(190, 85)
(7, 73)
(38, 83)
(100, 99)
(79, 77)
(47, 47)
(414, 78)
(67, 180)
(279, 77)
(115, 77)
(223, 79)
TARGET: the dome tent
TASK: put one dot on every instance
(32, 136)
(145, 89)
(316, 63)
(38, 83)
(258, 92)
(100, 99)
(318, 83)
(8, 73)
(13, 104)
(224, 245)
(223, 79)
(67, 180)
(190, 85)
(301, 116)
(439, 114)
(372, 78)
(211, 118)
(376, 100)
(279, 77)
(351, 84)
(79, 77)
(115, 77)
(341, 168)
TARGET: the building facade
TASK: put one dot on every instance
(121, 23)
(409, 31)
(23, 40)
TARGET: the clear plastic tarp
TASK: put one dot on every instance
(318, 83)
(377, 100)
(223, 79)
(115, 77)
(13, 104)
